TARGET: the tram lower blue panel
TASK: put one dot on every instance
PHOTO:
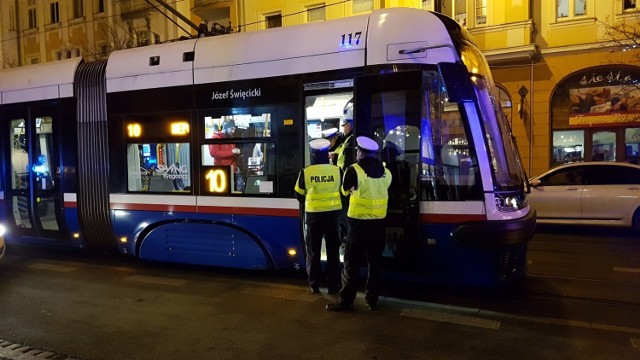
(447, 262)
(206, 244)
(225, 240)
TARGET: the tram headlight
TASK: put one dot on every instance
(508, 203)
(292, 252)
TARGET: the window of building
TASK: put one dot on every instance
(77, 9)
(571, 8)
(629, 5)
(360, 6)
(156, 38)
(316, 13)
(273, 20)
(456, 9)
(481, 12)
(99, 6)
(142, 38)
(32, 14)
(54, 12)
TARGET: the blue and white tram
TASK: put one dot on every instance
(188, 151)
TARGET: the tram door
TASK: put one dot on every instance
(32, 195)
(389, 108)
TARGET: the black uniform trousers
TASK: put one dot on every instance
(319, 225)
(365, 242)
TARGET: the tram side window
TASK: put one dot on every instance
(19, 155)
(239, 157)
(449, 166)
(158, 167)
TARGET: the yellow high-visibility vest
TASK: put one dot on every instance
(370, 199)
(322, 183)
(339, 152)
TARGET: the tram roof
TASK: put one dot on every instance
(44, 81)
(305, 48)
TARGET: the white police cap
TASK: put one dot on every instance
(319, 144)
(329, 133)
(367, 144)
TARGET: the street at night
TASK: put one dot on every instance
(580, 299)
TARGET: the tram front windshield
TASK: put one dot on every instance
(506, 164)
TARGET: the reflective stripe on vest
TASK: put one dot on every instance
(370, 199)
(322, 184)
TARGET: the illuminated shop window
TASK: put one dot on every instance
(568, 146)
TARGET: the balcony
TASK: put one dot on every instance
(134, 9)
(511, 43)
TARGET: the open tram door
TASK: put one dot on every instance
(32, 194)
(390, 109)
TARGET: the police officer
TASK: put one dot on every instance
(344, 152)
(335, 139)
(318, 186)
(367, 182)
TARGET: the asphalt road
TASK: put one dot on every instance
(580, 300)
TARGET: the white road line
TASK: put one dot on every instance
(156, 280)
(451, 318)
(52, 267)
(627, 270)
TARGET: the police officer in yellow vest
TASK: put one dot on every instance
(368, 182)
(345, 151)
(318, 186)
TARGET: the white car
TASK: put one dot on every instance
(592, 193)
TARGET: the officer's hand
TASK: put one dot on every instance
(235, 151)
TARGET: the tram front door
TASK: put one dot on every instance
(390, 109)
(32, 193)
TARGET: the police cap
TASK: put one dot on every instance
(329, 133)
(319, 144)
(367, 144)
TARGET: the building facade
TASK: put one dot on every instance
(35, 31)
(566, 83)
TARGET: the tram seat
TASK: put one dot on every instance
(253, 183)
(158, 183)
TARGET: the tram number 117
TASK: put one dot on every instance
(350, 39)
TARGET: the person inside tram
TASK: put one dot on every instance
(227, 154)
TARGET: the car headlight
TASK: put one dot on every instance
(3, 230)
